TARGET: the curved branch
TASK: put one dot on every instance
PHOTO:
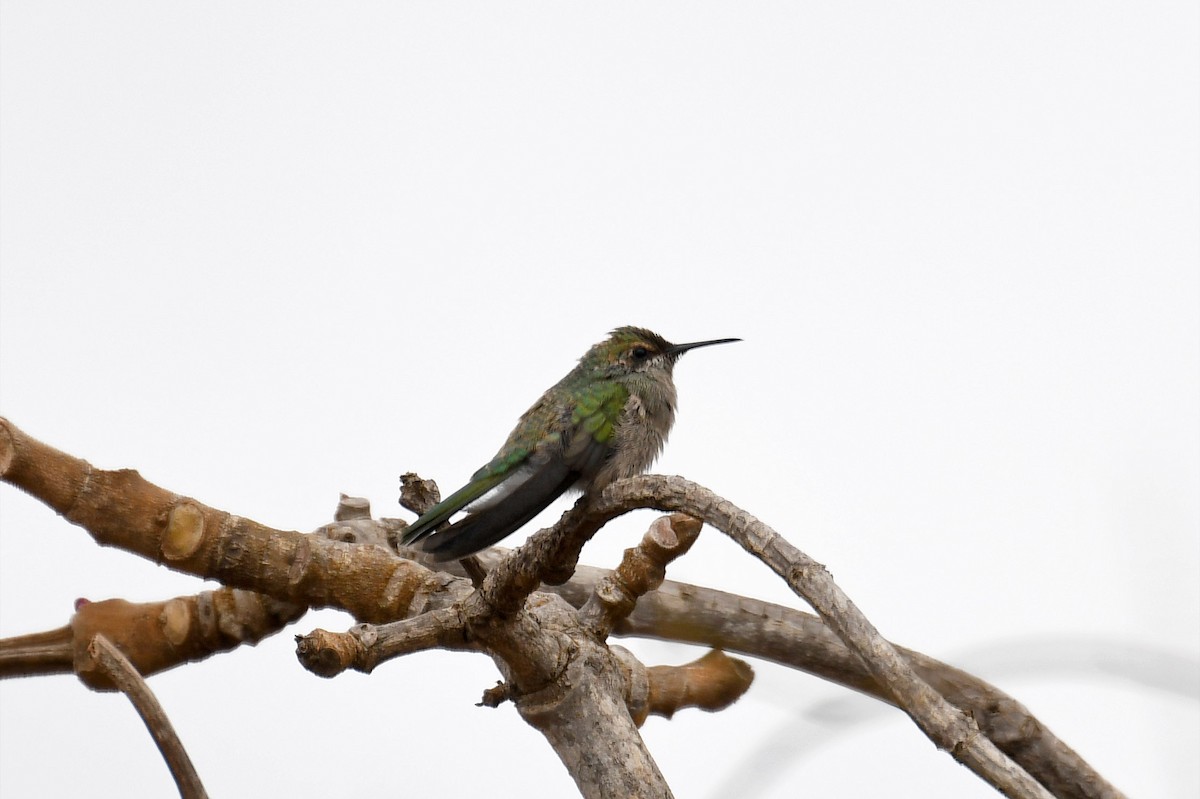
(121, 673)
(944, 724)
(708, 617)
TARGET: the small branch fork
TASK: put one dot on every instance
(611, 600)
(560, 673)
(554, 658)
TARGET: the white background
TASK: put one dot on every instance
(267, 252)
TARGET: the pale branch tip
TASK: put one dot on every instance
(349, 507)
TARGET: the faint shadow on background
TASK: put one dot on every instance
(1041, 657)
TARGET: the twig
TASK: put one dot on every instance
(36, 654)
(365, 646)
(122, 673)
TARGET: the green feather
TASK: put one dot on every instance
(598, 409)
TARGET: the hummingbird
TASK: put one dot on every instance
(607, 419)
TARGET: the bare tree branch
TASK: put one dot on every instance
(117, 669)
(705, 616)
(120, 508)
(365, 646)
(563, 678)
(945, 725)
(155, 636)
(38, 654)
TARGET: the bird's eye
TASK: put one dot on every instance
(640, 352)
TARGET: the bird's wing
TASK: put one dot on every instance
(532, 470)
(541, 486)
(593, 423)
(527, 447)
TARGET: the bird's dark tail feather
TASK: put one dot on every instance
(481, 530)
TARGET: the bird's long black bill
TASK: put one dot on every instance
(679, 349)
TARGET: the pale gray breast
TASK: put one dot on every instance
(640, 435)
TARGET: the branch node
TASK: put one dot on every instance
(637, 684)
(184, 533)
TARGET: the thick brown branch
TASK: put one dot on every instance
(121, 509)
(576, 691)
(714, 682)
(120, 672)
(585, 718)
(155, 636)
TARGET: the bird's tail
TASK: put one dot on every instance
(485, 527)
